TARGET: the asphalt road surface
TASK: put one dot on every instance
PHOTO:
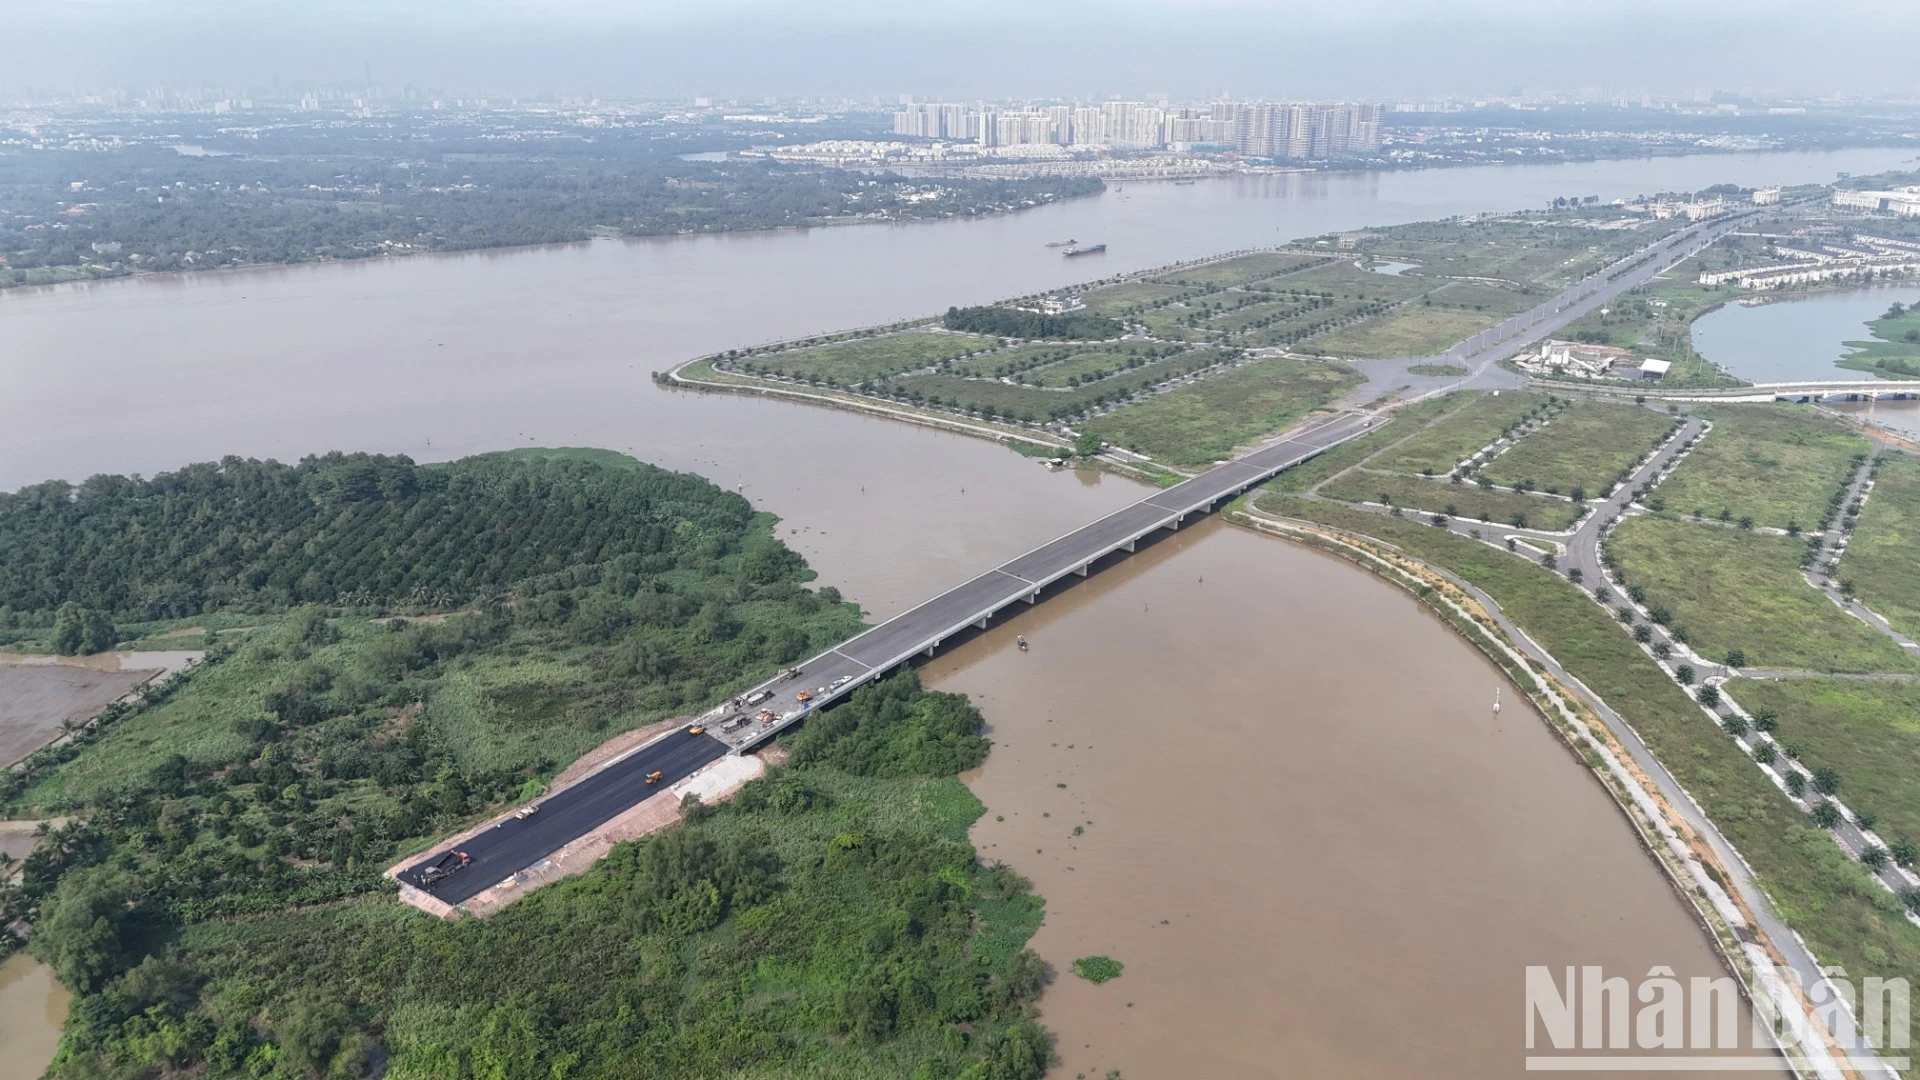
(568, 814)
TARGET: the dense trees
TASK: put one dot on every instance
(1010, 322)
(216, 900)
(349, 529)
(146, 207)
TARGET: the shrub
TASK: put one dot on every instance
(1097, 969)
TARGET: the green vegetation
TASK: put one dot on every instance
(1438, 370)
(1097, 969)
(1880, 556)
(1198, 424)
(1591, 446)
(216, 902)
(1411, 330)
(1734, 589)
(1012, 322)
(849, 362)
(1869, 732)
(429, 182)
(1444, 445)
(1115, 377)
(1845, 917)
(1239, 270)
(1454, 500)
(1131, 297)
(1779, 464)
(1894, 352)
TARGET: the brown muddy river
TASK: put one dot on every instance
(1307, 836)
(1288, 763)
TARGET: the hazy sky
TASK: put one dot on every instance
(965, 48)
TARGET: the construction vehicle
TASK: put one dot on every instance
(803, 696)
(759, 696)
(527, 811)
(767, 716)
(445, 867)
(697, 729)
(653, 777)
(791, 673)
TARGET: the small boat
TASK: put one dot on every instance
(1062, 243)
(1021, 641)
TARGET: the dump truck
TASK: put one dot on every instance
(759, 696)
(791, 673)
(445, 867)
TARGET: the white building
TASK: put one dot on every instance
(1900, 202)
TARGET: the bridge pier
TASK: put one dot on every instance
(982, 624)
(1082, 569)
(1130, 544)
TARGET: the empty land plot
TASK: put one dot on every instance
(1239, 270)
(1087, 367)
(1039, 403)
(1130, 296)
(1169, 324)
(1010, 361)
(1884, 554)
(1478, 296)
(1404, 421)
(1586, 446)
(1536, 252)
(1201, 423)
(36, 698)
(870, 358)
(1733, 589)
(1408, 330)
(1265, 313)
(1442, 446)
(1778, 464)
(1308, 323)
(1455, 500)
(1347, 280)
(1867, 731)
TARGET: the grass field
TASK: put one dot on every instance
(1129, 296)
(1778, 464)
(1733, 589)
(1894, 349)
(1096, 364)
(1410, 419)
(1240, 270)
(1456, 500)
(1410, 330)
(1199, 424)
(1884, 553)
(1436, 369)
(1869, 731)
(1473, 426)
(1479, 296)
(1036, 403)
(1825, 896)
(1586, 447)
(869, 358)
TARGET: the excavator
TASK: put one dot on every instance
(653, 777)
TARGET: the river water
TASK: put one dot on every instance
(1790, 340)
(1342, 841)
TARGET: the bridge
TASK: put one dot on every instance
(1807, 390)
(745, 722)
